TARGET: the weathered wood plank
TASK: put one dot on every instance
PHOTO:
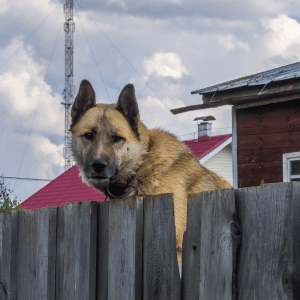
(191, 249)
(264, 155)
(210, 246)
(8, 254)
(254, 174)
(76, 251)
(268, 261)
(37, 253)
(161, 272)
(102, 250)
(125, 249)
(295, 186)
(271, 140)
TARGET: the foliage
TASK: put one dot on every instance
(5, 202)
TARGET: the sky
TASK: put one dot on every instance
(167, 49)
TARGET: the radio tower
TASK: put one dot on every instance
(69, 90)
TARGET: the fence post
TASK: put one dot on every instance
(210, 245)
(9, 254)
(76, 251)
(102, 250)
(37, 253)
(124, 251)
(161, 272)
(269, 262)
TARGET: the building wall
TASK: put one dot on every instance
(264, 133)
(221, 163)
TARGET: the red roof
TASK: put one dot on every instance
(203, 145)
(68, 187)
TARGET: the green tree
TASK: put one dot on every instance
(5, 202)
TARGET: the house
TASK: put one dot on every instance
(265, 124)
(213, 152)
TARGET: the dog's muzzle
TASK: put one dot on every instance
(99, 170)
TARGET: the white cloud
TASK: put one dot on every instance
(283, 36)
(3, 6)
(27, 101)
(23, 90)
(166, 64)
(156, 113)
(44, 147)
(230, 42)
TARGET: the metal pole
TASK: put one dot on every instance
(69, 91)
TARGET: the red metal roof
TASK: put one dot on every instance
(206, 144)
(68, 187)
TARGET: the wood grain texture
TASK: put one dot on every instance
(102, 250)
(210, 245)
(76, 251)
(161, 273)
(8, 254)
(125, 249)
(268, 262)
(37, 253)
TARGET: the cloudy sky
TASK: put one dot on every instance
(166, 49)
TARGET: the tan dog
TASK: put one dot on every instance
(120, 157)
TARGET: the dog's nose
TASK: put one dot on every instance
(98, 165)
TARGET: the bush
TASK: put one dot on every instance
(5, 202)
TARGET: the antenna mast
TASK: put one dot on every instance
(69, 90)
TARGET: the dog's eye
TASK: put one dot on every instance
(117, 138)
(89, 136)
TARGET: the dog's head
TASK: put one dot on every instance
(109, 142)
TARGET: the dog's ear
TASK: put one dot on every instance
(128, 106)
(85, 99)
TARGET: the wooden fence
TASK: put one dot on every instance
(239, 244)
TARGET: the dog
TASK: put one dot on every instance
(120, 157)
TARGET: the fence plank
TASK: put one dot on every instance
(161, 272)
(76, 251)
(191, 249)
(37, 253)
(102, 250)
(8, 254)
(210, 245)
(125, 249)
(268, 263)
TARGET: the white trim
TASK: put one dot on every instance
(286, 158)
(215, 151)
(234, 149)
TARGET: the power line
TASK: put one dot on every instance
(197, 131)
(94, 59)
(29, 36)
(35, 168)
(129, 63)
(41, 91)
(24, 178)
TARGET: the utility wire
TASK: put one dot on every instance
(130, 64)
(37, 166)
(29, 36)
(38, 102)
(24, 178)
(94, 59)
(197, 131)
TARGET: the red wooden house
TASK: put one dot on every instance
(265, 124)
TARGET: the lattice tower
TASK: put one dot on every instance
(69, 90)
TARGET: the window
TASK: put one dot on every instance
(291, 166)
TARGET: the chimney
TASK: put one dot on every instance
(205, 128)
